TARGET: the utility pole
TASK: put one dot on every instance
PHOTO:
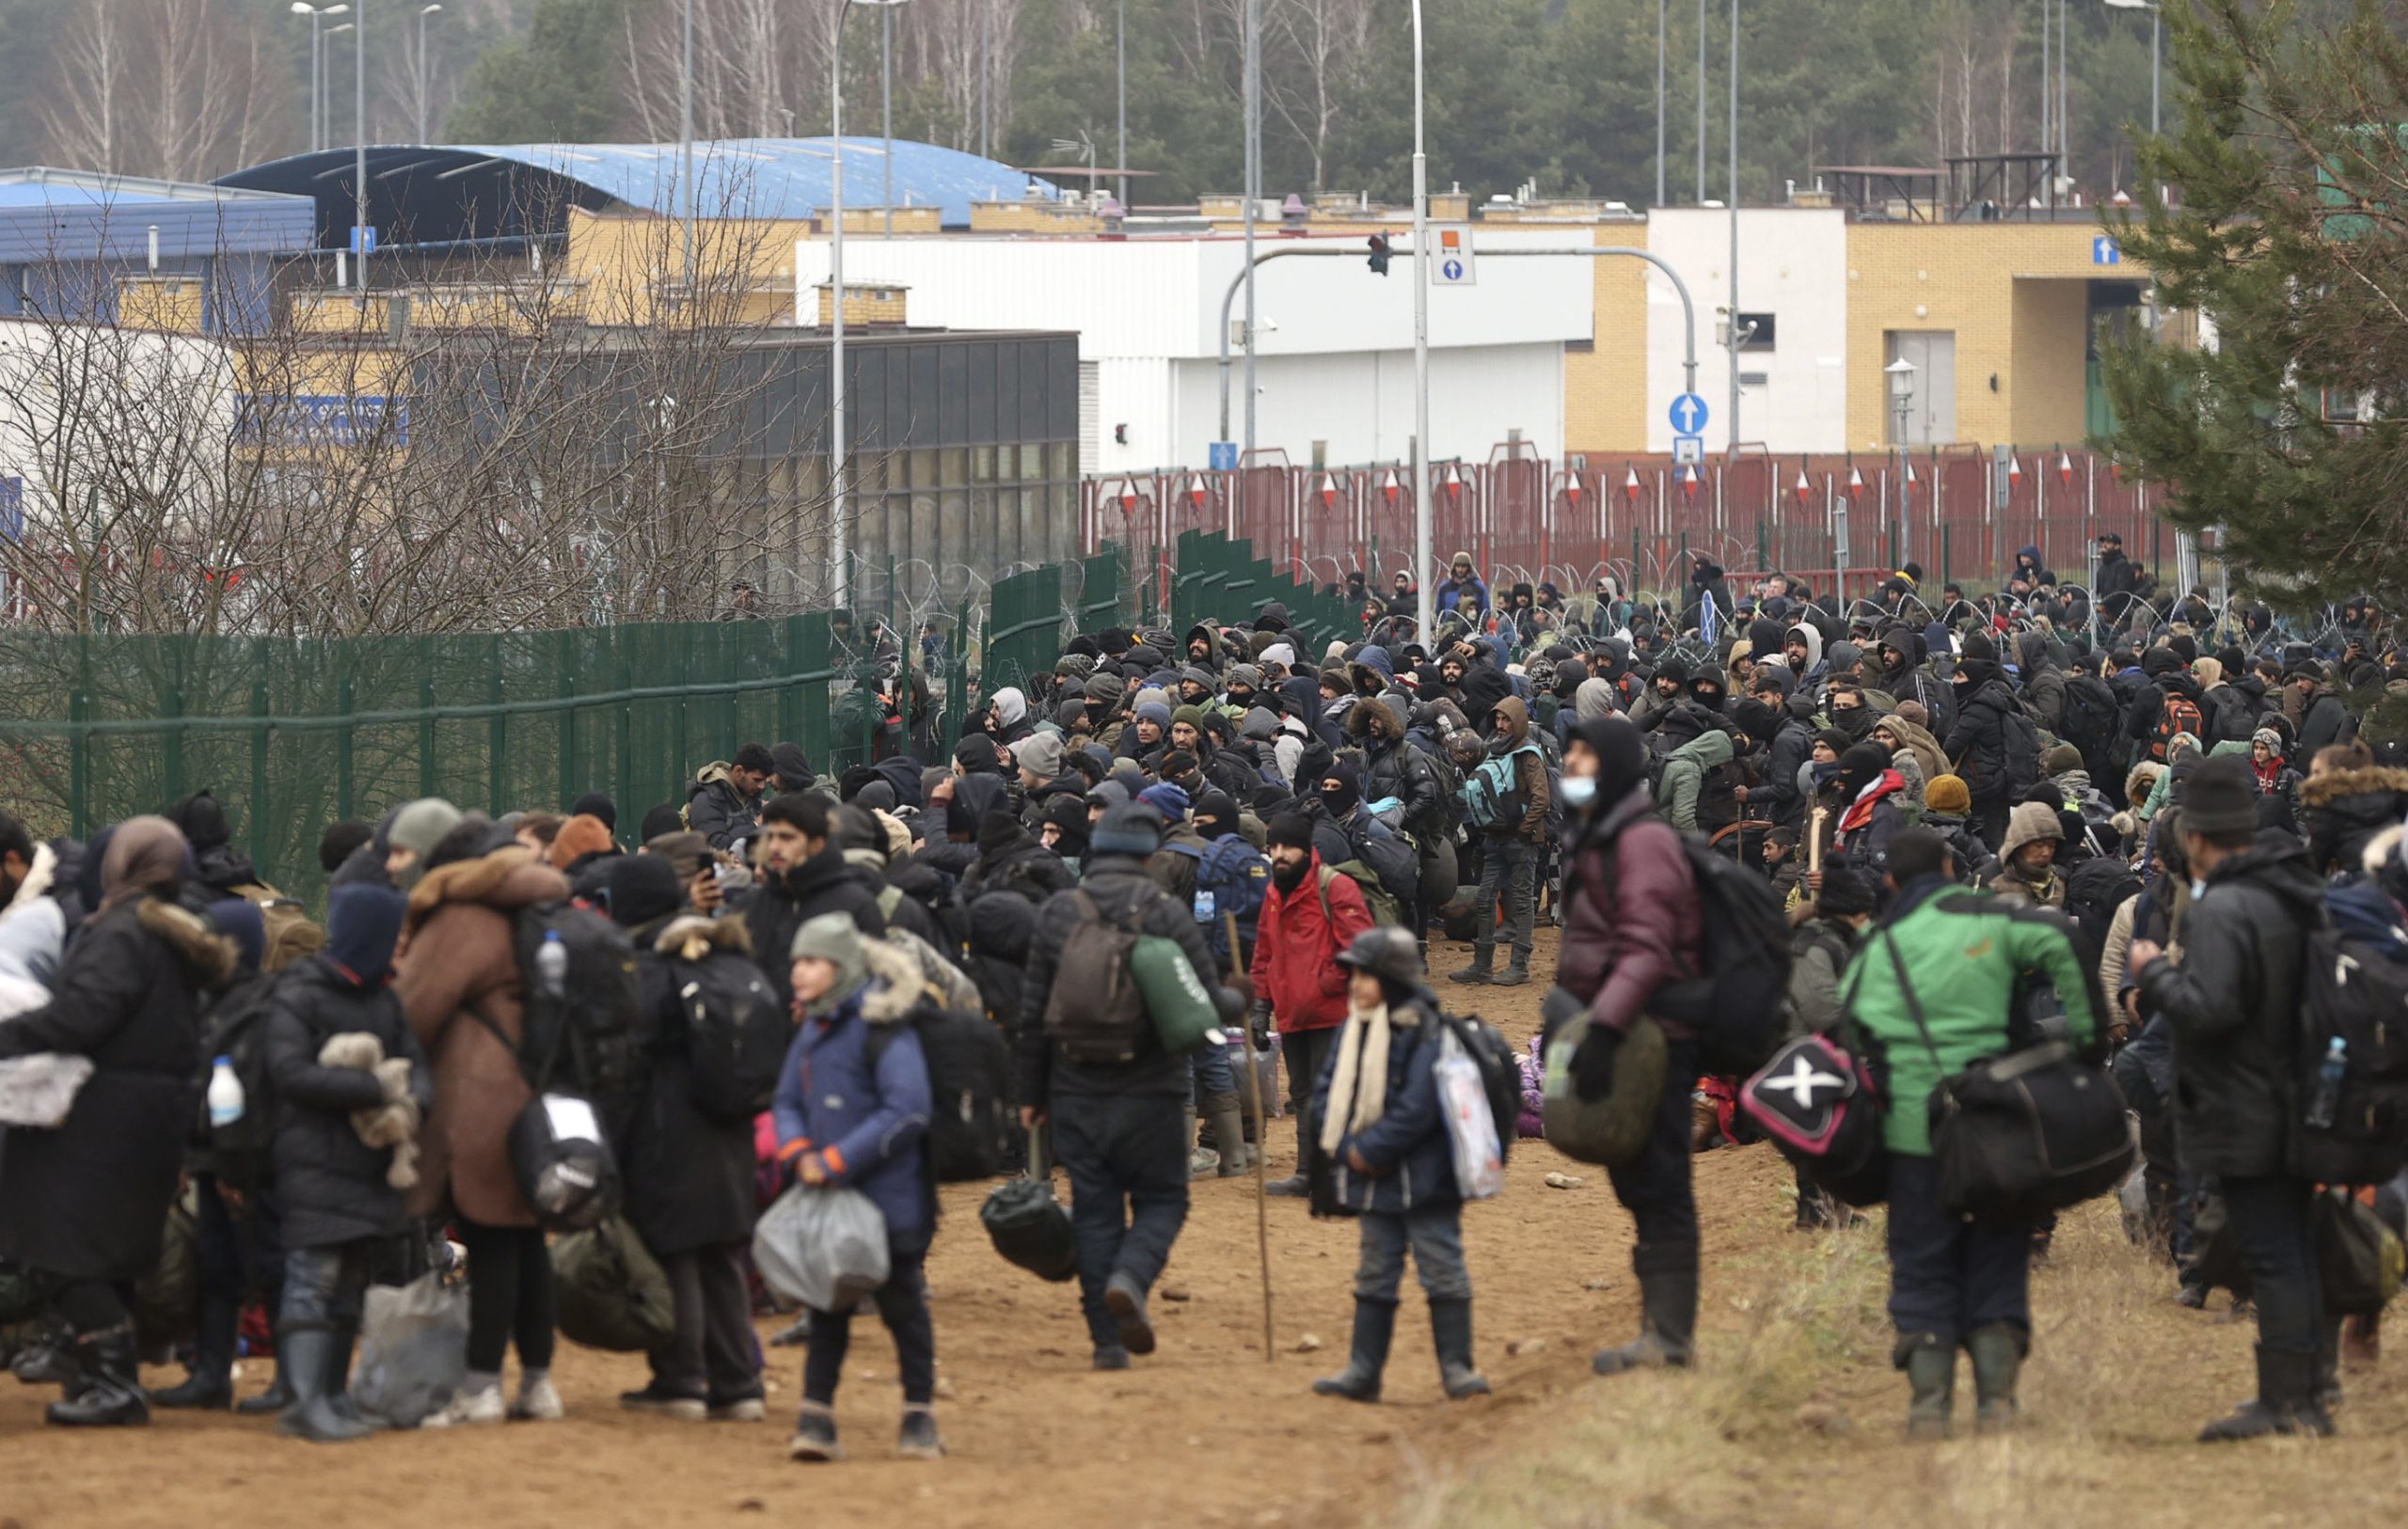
(1253, 198)
(1701, 102)
(1120, 50)
(1424, 518)
(359, 149)
(1661, 8)
(1732, 329)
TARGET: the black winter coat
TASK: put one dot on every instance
(330, 1185)
(1977, 745)
(2234, 1005)
(1777, 793)
(721, 815)
(2325, 720)
(826, 883)
(689, 1177)
(89, 1200)
(2044, 683)
(1400, 770)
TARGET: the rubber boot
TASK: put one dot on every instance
(1374, 1326)
(1516, 972)
(306, 1348)
(1229, 1133)
(1666, 1311)
(1450, 1332)
(112, 1395)
(1201, 1160)
(2325, 1388)
(275, 1399)
(1997, 1351)
(346, 1340)
(1931, 1384)
(2286, 1401)
(1476, 974)
(211, 1385)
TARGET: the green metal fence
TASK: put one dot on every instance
(1219, 578)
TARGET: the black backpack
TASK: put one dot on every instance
(2021, 754)
(2091, 720)
(243, 1151)
(1096, 1012)
(586, 1028)
(969, 1076)
(2093, 892)
(2354, 993)
(1739, 1003)
(1500, 1073)
(737, 1034)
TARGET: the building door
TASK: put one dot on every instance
(1931, 406)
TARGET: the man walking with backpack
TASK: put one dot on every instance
(1310, 915)
(1088, 1064)
(1514, 778)
(2234, 1003)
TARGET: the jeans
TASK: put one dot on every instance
(1208, 1073)
(510, 1296)
(1949, 1275)
(1508, 867)
(1128, 1168)
(1436, 1235)
(324, 1285)
(1304, 1053)
(903, 1306)
(1655, 1186)
(2272, 1221)
(711, 1355)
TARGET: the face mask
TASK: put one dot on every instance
(1579, 791)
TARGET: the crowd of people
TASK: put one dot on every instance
(1977, 813)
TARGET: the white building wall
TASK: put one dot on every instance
(1793, 264)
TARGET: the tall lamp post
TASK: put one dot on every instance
(1424, 531)
(1732, 329)
(318, 66)
(2156, 50)
(359, 148)
(1901, 373)
(424, 12)
(839, 535)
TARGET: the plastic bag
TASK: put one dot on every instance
(413, 1349)
(610, 1292)
(38, 1091)
(1471, 1124)
(821, 1248)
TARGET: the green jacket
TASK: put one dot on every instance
(1964, 949)
(1676, 794)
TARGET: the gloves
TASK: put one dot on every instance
(1258, 1024)
(1592, 1064)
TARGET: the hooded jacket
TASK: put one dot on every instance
(1393, 768)
(865, 1109)
(2234, 1005)
(1529, 773)
(2044, 683)
(330, 1186)
(1632, 921)
(2346, 808)
(1978, 744)
(1677, 792)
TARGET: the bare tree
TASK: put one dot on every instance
(1324, 43)
(174, 88)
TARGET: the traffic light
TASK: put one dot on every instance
(1379, 254)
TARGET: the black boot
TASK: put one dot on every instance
(2325, 1388)
(1931, 1384)
(275, 1399)
(112, 1392)
(1997, 1351)
(1450, 1331)
(1374, 1326)
(2286, 1401)
(1666, 1311)
(211, 1384)
(346, 1332)
(307, 1349)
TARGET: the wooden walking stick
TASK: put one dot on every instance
(1261, 1139)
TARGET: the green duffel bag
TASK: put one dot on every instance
(1610, 1130)
(1177, 1000)
(609, 1291)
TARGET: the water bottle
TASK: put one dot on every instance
(2325, 1103)
(551, 966)
(1205, 907)
(224, 1094)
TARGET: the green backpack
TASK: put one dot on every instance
(1382, 903)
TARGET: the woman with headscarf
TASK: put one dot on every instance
(84, 1204)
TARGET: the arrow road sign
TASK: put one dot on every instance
(1451, 262)
(2105, 251)
(1222, 456)
(1688, 415)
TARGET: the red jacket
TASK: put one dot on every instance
(1296, 946)
(1629, 933)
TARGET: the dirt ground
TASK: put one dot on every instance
(1792, 1412)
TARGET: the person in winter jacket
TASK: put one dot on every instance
(1679, 793)
(459, 981)
(689, 1176)
(2027, 859)
(1983, 739)
(1914, 754)
(2346, 803)
(1510, 852)
(726, 809)
(350, 1086)
(2233, 1003)
(2278, 784)
(1632, 926)
(1961, 955)
(2044, 683)
(1384, 1130)
(1394, 769)
(84, 1204)
(803, 874)
(1462, 590)
(2323, 719)
(852, 1112)
(1310, 913)
(1945, 806)
(1872, 794)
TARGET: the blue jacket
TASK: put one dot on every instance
(1471, 594)
(1412, 1157)
(869, 1130)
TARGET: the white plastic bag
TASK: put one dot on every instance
(821, 1248)
(413, 1349)
(40, 1090)
(1472, 1126)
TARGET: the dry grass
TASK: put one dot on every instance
(1792, 1415)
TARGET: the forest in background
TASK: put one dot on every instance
(1557, 91)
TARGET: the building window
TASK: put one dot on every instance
(1762, 325)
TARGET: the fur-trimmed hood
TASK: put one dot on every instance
(506, 880)
(210, 956)
(895, 987)
(2370, 781)
(690, 937)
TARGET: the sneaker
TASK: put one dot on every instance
(1204, 1163)
(742, 1410)
(789, 1337)
(1294, 1186)
(470, 1409)
(919, 1439)
(815, 1436)
(664, 1404)
(537, 1403)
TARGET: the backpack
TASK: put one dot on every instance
(2097, 887)
(245, 1149)
(1493, 796)
(587, 1029)
(1096, 1013)
(2175, 713)
(1384, 909)
(2355, 995)
(290, 932)
(2020, 753)
(1450, 783)
(1500, 1073)
(737, 1035)
(2234, 721)
(1739, 1003)
(969, 1076)
(2091, 718)
(1392, 858)
(1232, 876)
(708, 775)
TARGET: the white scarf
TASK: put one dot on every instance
(1358, 1084)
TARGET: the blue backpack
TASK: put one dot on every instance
(1491, 794)
(1231, 877)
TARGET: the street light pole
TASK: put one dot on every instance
(1424, 527)
(1732, 329)
(1120, 50)
(1701, 102)
(1661, 8)
(1253, 198)
(839, 534)
(424, 12)
(686, 149)
(886, 110)
(1901, 373)
(359, 147)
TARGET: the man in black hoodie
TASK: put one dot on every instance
(1993, 745)
(803, 874)
(2234, 1005)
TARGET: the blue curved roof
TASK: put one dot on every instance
(437, 194)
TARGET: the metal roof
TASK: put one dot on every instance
(55, 215)
(439, 194)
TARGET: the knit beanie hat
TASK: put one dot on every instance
(239, 920)
(1128, 829)
(2221, 796)
(1622, 755)
(642, 888)
(2057, 761)
(1947, 794)
(1844, 891)
(1293, 830)
(833, 937)
(363, 921)
(1040, 754)
(976, 755)
(1167, 799)
(1156, 713)
(581, 835)
(598, 806)
(422, 825)
(1192, 715)
(2268, 736)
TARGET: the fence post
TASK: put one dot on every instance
(172, 703)
(496, 731)
(343, 736)
(622, 722)
(571, 784)
(258, 826)
(426, 772)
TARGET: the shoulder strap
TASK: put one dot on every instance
(538, 1079)
(1906, 991)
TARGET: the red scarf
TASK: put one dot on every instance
(1859, 812)
(2267, 774)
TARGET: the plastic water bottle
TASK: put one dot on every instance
(224, 1094)
(551, 966)
(1205, 907)
(2325, 1103)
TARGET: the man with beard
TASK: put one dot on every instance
(1310, 915)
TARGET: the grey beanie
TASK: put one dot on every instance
(422, 825)
(1040, 754)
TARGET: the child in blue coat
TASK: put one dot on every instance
(1384, 1128)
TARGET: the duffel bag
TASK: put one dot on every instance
(1612, 1129)
(2358, 1256)
(609, 1293)
(1817, 1103)
(1027, 1225)
(1177, 1000)
(564, 1166)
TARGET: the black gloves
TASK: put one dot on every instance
(1592, 1065)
